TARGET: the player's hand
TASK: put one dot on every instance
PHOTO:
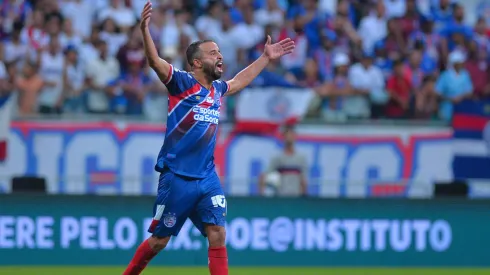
(275, 51)
(145, 15)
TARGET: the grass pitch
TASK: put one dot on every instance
(239, 271)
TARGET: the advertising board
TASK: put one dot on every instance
(112, 158)
(105, 230)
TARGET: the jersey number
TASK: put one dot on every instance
(219, 200)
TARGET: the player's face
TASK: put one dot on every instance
(212, 60)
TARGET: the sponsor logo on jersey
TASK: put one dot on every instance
(206, 115)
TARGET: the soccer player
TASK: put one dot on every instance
(189, 186)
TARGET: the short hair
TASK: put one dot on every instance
(192, 51)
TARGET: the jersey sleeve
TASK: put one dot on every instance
(222, 87)
(177, 81)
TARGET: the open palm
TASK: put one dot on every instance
(275, 51)
(146, 15)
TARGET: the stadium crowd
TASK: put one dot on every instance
(364, 58)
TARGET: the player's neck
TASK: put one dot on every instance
(202, 79)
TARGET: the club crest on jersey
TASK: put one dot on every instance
(170, 220)
(209, 100)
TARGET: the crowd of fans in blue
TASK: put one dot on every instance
(397, 59)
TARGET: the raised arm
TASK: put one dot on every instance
(271, 52)
(160, 66)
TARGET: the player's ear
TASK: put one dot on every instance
(197, 63)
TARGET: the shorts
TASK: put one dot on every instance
(179, 197)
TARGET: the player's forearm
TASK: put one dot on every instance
(247, 75)
(150, 49)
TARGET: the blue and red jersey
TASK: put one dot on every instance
(192, 125)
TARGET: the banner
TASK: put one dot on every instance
(271, 107)
(98, 230)
(471, 140)
(345, 161)
(5, 116)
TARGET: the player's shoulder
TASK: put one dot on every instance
(221, 86)
(181, 73)
(219, 82)
(183, 77)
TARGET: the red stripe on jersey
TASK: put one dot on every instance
(169, 76)
(188, 121)
(175, 100)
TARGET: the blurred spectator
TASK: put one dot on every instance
(333, 103)
(482, 40)
(248, 33)
(129, 90)
(210, 22)
(294, 62)
(3, 78)
(324, 55)
(14, 51)
(346, 38)
(68, 37)
(311, 76)
(454, 85)
(399, 89)
(81, 13)
(155, 105)
(53, 25)
(112, 35)
(100, 71)
(483, 11)
(432, 42)
(74, 81)
(271, 14)
(373, 27)
(133, 49)
(88, 50)
(307, 17)
(393, 42)
(396, 8)
(456, 31)
(184, 25)
(421, 33)
(412, 71)
(477, 66)
(410, 21)
(382, 61)
(442, 13)
(29, 86)
(426, 99)
(291, 167)
(172, 31)
(12, 11)
(117, 11)
(369, 81)
(228, 47)
(156, 25)
(51, 63)
(33, 34)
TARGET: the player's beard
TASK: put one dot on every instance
(211, 70)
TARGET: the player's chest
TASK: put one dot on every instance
(205, 99)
